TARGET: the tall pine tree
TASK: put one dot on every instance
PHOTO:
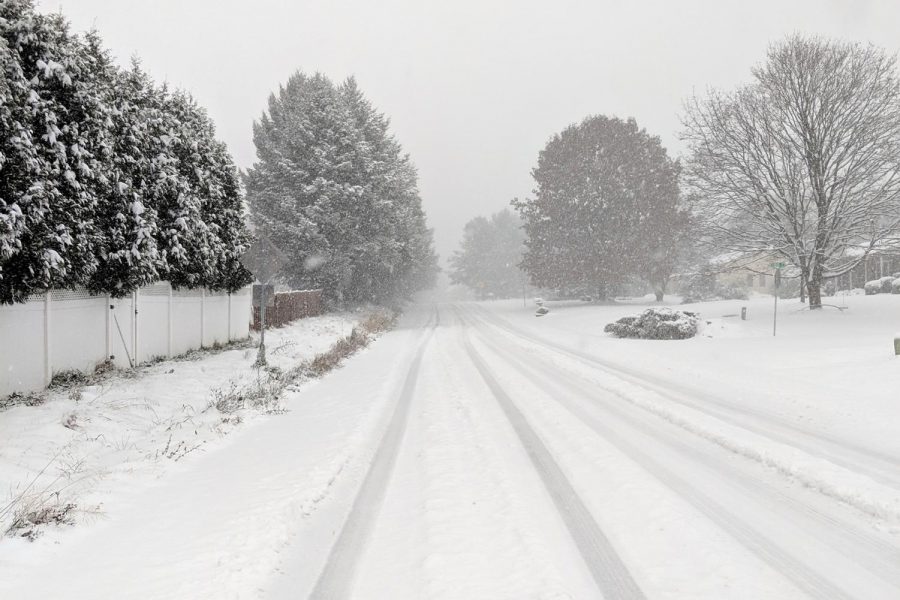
(335, 191)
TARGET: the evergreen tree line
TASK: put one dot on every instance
(107, 180)
(333, 189)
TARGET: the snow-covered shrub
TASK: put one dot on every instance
(895, 287)
(879, 286)
(872, 287)
(657, 324)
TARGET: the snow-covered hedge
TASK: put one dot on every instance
(895, 286)
(657, 324)
(107, 180)
(879, 286)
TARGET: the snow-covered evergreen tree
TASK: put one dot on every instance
(335, 192)
(52, 156)
(106, 180)
(128, 197)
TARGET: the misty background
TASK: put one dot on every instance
(473, 89)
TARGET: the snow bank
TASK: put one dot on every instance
(63, 459)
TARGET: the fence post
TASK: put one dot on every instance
(109, 309)
(135, 346)
(228, 330)
(48, 367)
(202, 312)
(169, 315)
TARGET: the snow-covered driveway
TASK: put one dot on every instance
(467, 456)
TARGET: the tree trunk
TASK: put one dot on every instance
(661, 291)
(814, 287)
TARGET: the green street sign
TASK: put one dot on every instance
(778, 265)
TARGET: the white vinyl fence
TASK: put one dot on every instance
(65, 329)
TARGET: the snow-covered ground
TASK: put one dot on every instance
(480, 452)
(84, 447)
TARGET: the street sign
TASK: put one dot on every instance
(778, 265)
(263, 259)
(259, 292)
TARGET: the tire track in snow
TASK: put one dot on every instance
(849, 455)
(337, 577)
(878, 558)
(609, 572)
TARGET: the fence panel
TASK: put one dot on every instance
(66, 329)
(153, 322)
(121, 332)
(22, 366)
(241, 313)
(187, 323)
(215, 318)
(78, 337)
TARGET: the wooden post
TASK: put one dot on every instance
(228, 330)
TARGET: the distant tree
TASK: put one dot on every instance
(489, 256)
(605, 208)
(804, 162)
(334, 190)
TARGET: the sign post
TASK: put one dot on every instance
(264, 260)
(778, 267)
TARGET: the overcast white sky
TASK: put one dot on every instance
(473, 88)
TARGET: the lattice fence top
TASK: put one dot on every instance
(161, 288)
(186, 293)
(157, 289)
(76, 294)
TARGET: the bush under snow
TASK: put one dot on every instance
(657, 324)
(879, 286)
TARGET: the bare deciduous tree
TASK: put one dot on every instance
(804, 162)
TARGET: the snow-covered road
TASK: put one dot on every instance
(465, 456)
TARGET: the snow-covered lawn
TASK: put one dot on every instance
(825, 385)
(69, 458)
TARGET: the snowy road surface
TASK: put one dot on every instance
(466, 456)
